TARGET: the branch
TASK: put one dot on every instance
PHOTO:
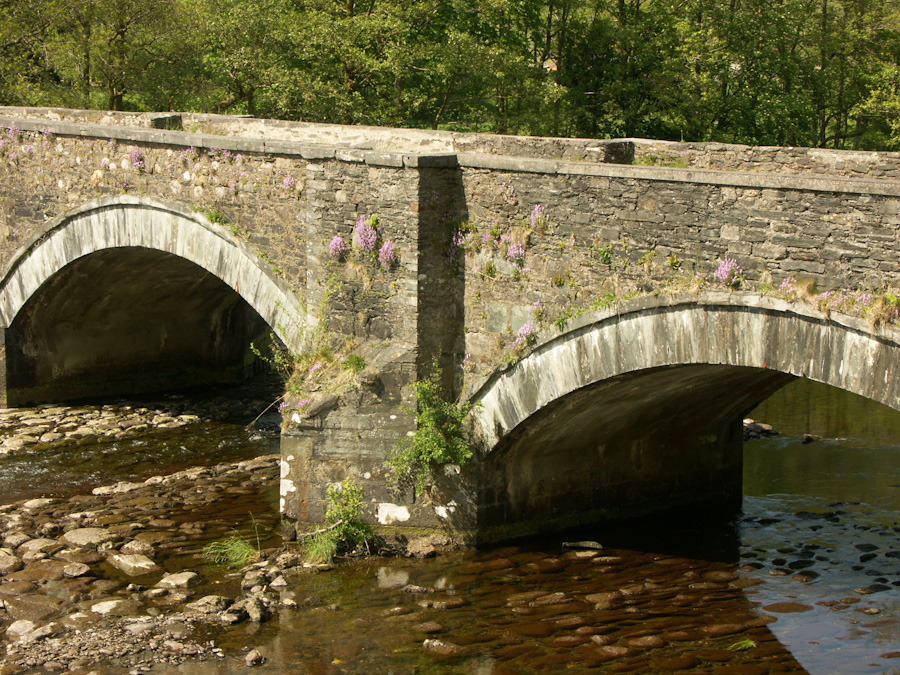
(322, 530)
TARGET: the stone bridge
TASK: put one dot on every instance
(565, 285)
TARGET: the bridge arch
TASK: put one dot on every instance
(638, 408)
(127, 280)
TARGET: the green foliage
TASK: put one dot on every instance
(440, 436)
(743, 645)
(489, 270)
(322, 548)
(605, 254)
(822, 74)
(347, 528)
(216, 216)
(354, 363)
(647, 258)
(235, 551)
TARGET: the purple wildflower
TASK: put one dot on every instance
(457, 244)
(788, 285)
(338, 248)
(516, 254)
(366, 234)
(386, 256)
(729, 272)
(539, 217)
(288, 183)
(526, 335)
(303, 403)
(137, 159)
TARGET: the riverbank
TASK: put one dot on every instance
(118, 576)
(49, 426)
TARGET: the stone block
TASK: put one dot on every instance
(498, 317)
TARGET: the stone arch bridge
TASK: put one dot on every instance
(146, 252)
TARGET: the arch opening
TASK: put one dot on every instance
(638, 409)
(638, 443)
(128, 321)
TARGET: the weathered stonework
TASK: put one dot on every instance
(491, 232)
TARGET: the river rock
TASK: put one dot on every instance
(604, 600)
(39, 571)
(9, 563)
(254, 608)
(646, 642)
(119, 488)
(15, 539)
(19, 628)
(40, 503)
(209, 604)
(133, 564)
(87, 537)
(720, 629)
(584, 545)
(32, 607)
(448, 650)
(76, 569)
(40, 633)
(254, 658)
(420, 547)
(179, 580)
(16, 588)
(684, 662)
(45, 546)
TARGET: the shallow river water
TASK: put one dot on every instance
(805, 579)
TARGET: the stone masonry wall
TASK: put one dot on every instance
(255, 194)
(713, 156)
(765, 159)
(607, 232)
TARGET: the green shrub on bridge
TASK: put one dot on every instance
(440, 436)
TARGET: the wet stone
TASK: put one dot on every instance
(87, 537)
(445, 649)
(613, 652)
(787, 607)
(133, 564)
(76, 569)
(646, 642)
(9, 563)
(179, 580)
(720, 629)
(683, 662)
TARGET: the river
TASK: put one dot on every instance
(805, 579)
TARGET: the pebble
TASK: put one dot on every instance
(254, 658)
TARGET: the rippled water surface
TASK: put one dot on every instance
(805, 579)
